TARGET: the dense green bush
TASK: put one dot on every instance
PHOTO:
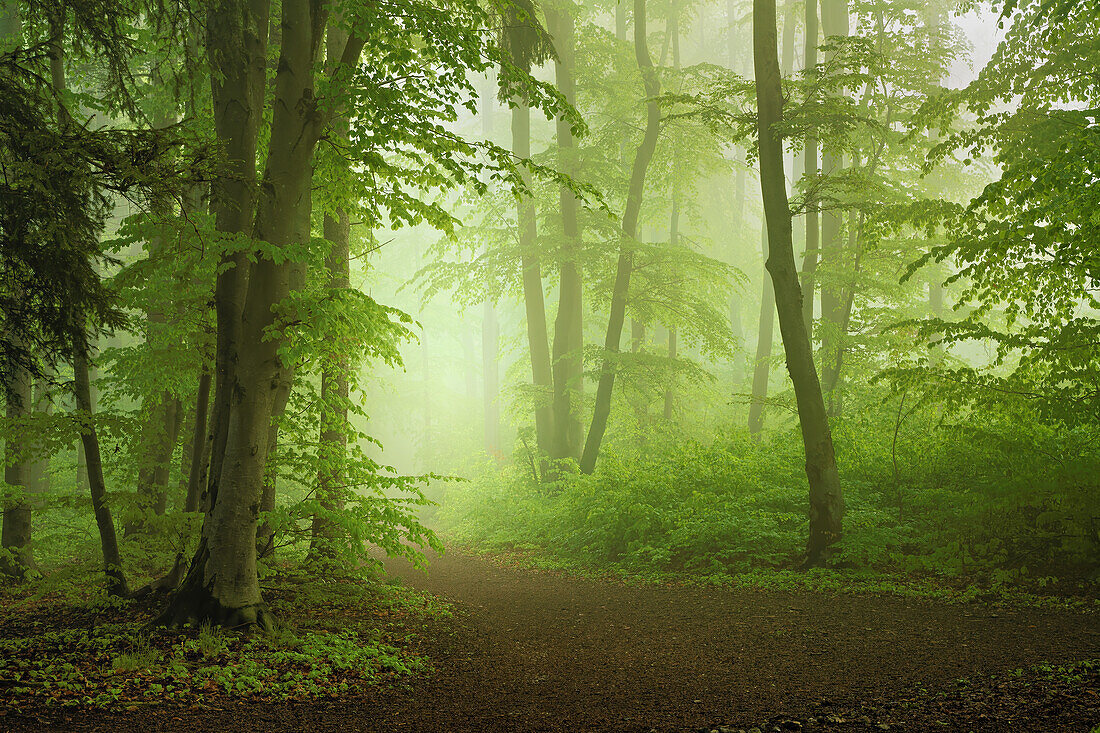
(996, 497)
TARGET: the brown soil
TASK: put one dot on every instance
(540, 651)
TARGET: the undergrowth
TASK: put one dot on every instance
(333, 638)
(999, 510)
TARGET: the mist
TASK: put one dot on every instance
(536, 365)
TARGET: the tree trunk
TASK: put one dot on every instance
(16, 533)
(332, 449)
(765, 334)
(236, 45)
(533, 297)
(108, 540)
(568, 367)
(826, 501)
(670, 393)
(490, 326)
(490, 353)
(674, 219)
(334, 404)
(222, 585)
(834, 22)
(633, 207)
(199, 456)
(813, 226)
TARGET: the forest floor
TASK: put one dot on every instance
(534, 650)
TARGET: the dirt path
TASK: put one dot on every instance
(535, 651)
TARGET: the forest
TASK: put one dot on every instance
(550, 365)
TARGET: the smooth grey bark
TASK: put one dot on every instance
(826, 501)
(236, 45)
(567, 357)
(222, 585)
(621, 288)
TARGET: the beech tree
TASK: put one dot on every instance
(826, 499)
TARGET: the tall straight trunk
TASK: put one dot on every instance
(490, 354)
(735, 304)
(826, 502)
(834, 22)
(533, 297)
(490, 325)
(82, 390)
(621, 288)
(674, 218)
(40, 461)
(332, 449)
(765, 337)
(731, 37)
(16, 534)
(199, 446)
(469, 365)
(832, 369)
(935, 306)
(765, 334)
(108, 540)
(568, 367)
(161, 429)
(670, 393)
(813, 225)
(236, 45)
(332, 452)
(637, 336)
(222, 585)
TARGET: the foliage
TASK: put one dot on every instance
(934, 501)
(336, 639)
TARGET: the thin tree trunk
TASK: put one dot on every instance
(670, 393)
(108, 540)
(490, 326)
(674, 219)
(826, 500)
(568, 368)
(332, 449)
(834, 22)
(331, 475)
(813, 226)
(935, 306)
(533, 297)
(765, 334)
(633, 207)
(16, 532)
